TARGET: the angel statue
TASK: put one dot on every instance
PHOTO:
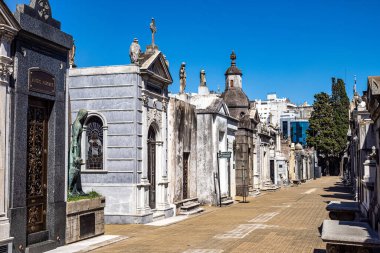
(75, 184)
(203, 78)
(182, 78)
(134, 51)
(72, 53)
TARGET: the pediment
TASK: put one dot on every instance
(157, 67)
(7, 19)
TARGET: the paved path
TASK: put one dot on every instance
(282, 221)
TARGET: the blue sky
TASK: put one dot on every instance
(290, 47)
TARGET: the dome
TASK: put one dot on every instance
(235, 97)
(298, 146)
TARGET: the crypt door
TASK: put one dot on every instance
(272, 171)
(36, 185)
(185, 175)
(152, 167)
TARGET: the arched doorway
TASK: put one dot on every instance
(152, 167)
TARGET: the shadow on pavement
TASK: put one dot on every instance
(319, 251)
(339, 196)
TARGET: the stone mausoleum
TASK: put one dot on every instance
(124, 140)
(34, 53)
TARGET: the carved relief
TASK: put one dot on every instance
(43, 9)
(5, 70)
(154, 116)
(144, 100)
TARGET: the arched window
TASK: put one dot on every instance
(231, 83)
(94, 144)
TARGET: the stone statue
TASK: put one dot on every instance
(153, 28)
(182, 78)
(72, 55)
(373, 154)
(75, 162)
(134, 51)
(203, 78)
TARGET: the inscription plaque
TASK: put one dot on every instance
(41, 81)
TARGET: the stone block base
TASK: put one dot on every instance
(128, 219)
(85, 219)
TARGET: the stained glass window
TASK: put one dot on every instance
(94, 136)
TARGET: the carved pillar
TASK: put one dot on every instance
(163, 203)
(6, 69)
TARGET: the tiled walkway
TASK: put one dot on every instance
(282, 221)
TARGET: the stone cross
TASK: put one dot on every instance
(153, 28)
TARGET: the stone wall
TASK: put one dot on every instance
(112, 94)
(85, 219)
(182, 138)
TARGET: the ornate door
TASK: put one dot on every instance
(185, 175)
(152, 167)
(36, 184)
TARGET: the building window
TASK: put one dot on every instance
(231, 83)
(94, 141)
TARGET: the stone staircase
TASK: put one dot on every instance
(269, 186)
(188, 206)
(226, 201)
(254, 192)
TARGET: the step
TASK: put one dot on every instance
(191, 212)
(227, 202)
(182, 202)
(158, 216)
(41, 247)
(190, 206)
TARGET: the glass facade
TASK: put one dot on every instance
(298, 131)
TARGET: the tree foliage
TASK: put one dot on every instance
(329, 124)
(340, 104)
(321, 128)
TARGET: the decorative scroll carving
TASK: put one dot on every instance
(164, 105)
(154, 116)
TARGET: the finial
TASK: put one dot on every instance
(233, 58)
(153, 29)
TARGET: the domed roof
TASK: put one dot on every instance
(233, 70)
(235, 97)
(298, 146)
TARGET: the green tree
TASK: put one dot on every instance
(340, 103)
(321, 125)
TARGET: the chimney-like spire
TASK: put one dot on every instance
(233, 58)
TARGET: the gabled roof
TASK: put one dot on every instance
(155, 65)
(7, 20)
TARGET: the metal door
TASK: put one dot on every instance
(36, 184)
(185, 175)
(152, 167)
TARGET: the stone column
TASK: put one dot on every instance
(6, 69)
(162, 200)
